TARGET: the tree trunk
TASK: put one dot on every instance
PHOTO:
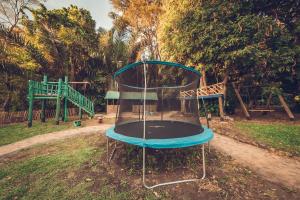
(225, 81)
(5, 105)
(72, 72)
(203, 78)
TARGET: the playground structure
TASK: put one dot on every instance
(263, 106)
(218, 91)
(59, 91)
(207, 92)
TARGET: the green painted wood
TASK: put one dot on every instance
(45, 97)
(43, 115)
(59, 92)
(79, 100)
(30, 101)
(66, 101)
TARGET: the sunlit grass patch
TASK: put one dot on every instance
(42, 175)
(284, 137)
(16, 132)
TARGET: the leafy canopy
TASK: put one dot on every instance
(229, 37)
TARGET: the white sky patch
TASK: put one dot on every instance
(99, 9)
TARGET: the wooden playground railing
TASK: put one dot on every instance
(215, 89)
(78, 99)
(211, 91)
(22, 116)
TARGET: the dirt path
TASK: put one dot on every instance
(39, 139)
(270, 166)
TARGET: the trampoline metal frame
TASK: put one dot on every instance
(172, 182)
(109, 157)
(111, 154)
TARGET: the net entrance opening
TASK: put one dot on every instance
(158, 86)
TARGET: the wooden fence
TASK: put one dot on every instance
(22, 116)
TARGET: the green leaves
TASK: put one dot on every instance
(226, 34)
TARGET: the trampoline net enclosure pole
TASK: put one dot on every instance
(144, 136)
(144, 107)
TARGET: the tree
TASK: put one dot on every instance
(113, 50)
(139, 20)
(11, 11)
(17, 55)
(67, 37)
(226, 37)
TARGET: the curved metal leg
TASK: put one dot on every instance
(109, 157)
(172, 182)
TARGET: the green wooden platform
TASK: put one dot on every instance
(59, 91)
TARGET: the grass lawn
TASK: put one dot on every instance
(16, 132)
(65, 170)
(279, 136)
(76, 168)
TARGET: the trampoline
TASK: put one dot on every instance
(152, 113)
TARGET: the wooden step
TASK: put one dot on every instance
(46, 95)
(261, 110)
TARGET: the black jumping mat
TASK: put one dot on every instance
(158, 129)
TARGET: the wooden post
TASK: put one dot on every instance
(30, 96)
(241, 101)
(269, 100)
(225, 81)
(107, 105)
(183, 105)
(286, 107)
(221, 110)
(57, 113)
(66, 101)
(268, 103)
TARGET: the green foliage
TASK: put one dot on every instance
(67, 37)
(142, 32)
(113, 49)
(230, 37)
(211, 106)
(16, 50)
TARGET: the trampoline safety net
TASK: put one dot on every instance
(167, 113)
